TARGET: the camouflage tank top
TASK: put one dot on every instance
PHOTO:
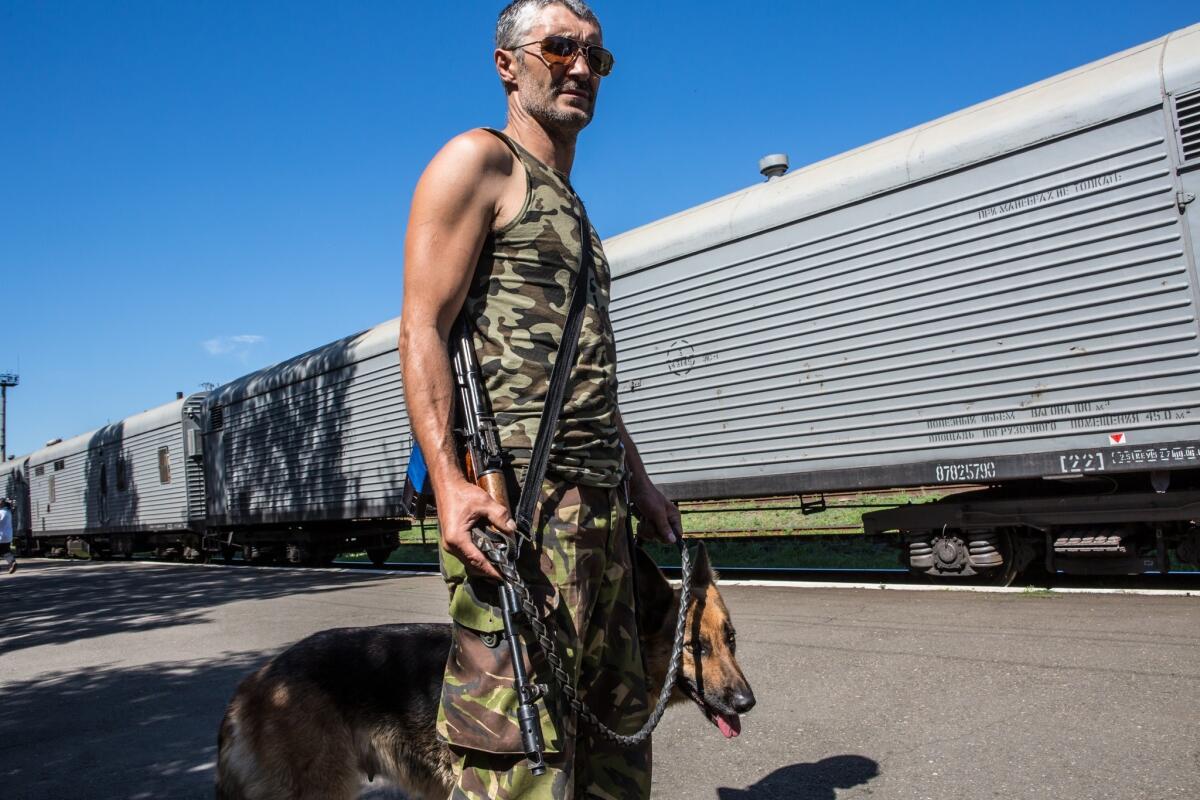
(517, 309)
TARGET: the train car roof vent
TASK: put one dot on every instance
(1187, 125)
(773, 166)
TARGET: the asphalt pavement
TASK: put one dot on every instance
(114, 676)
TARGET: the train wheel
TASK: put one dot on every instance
(1006, 574)
(379, 555)
(953, 566)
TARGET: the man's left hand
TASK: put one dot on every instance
(660, 518)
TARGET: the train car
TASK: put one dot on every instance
(1004, 296)
(130, 486)
(306, 458)
(14, 486)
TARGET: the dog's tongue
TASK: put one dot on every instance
(730, 725)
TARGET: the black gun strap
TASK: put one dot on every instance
(539, 459)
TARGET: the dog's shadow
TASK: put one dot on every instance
(815, 781)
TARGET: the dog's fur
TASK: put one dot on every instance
(354, 703)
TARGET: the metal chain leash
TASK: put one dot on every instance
(497, 553)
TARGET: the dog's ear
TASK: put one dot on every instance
(655, 597)
(702, 571)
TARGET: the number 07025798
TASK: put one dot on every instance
(971, 471)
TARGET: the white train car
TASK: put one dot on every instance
(306, 458)
(134, 484)
(1005, 294)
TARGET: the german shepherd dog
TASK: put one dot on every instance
(350, 704)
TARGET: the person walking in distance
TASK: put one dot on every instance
(6, 534)
(495, 239)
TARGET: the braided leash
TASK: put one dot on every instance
(495, 548)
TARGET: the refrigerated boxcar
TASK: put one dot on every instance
(133, 485)
(306, 458)
(1005, 296)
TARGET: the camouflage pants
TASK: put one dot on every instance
(580, 571)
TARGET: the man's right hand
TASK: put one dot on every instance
(461, 508)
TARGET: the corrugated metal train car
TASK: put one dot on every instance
(133, 485)
(298, 461)
(307, 458)
(1005, 294)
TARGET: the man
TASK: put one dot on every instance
(6, 534)
(494, 234)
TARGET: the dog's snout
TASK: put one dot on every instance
(742, 700)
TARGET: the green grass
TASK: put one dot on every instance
(789, 538)
(766, 518)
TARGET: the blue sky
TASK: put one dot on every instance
(193, 190)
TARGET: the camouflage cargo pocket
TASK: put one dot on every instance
(478, 708)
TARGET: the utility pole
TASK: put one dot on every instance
(7, 379)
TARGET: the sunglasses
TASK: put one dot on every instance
(561, 51)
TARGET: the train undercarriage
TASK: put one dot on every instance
(298, 545)
(1091, 526)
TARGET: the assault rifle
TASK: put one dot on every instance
(485, 466)
(477, 432)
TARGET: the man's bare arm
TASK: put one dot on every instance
(453, 210)
(658, 513)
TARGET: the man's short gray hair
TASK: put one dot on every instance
(518, 16)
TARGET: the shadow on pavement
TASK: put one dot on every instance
(815, 781)
(104, 732)
(45, 606)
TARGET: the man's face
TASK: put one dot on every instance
(562, 98)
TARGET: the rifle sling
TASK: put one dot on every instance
(539, 459)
